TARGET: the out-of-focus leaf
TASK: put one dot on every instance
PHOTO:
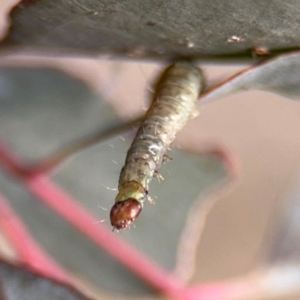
(42, 108)
(156, 28)
(62, 104)
(280, 275)
(286, 247)
(280, 75)
(20, 284)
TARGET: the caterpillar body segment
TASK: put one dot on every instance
(174, 104)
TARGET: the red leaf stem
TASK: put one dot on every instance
(242, 288)
(28, 251)
(63, 204)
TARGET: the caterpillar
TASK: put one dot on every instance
(174, 103)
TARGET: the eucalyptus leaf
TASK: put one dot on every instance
(279, 75)
(43, 109)
(18, 283)
(161, 29)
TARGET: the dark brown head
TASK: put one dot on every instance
(123, 213)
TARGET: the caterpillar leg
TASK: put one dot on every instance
(158, 175)
(167, 158)
(150, 199)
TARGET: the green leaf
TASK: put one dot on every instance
(18, 283)
(155, 29)
(279, 75)
(41, 108)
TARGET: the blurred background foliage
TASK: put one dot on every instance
(42, 109)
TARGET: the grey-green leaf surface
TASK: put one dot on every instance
(42, 109)
(279, 75)
(161, 29)
(18, 283)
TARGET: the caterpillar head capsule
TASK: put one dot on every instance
(123, 213)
